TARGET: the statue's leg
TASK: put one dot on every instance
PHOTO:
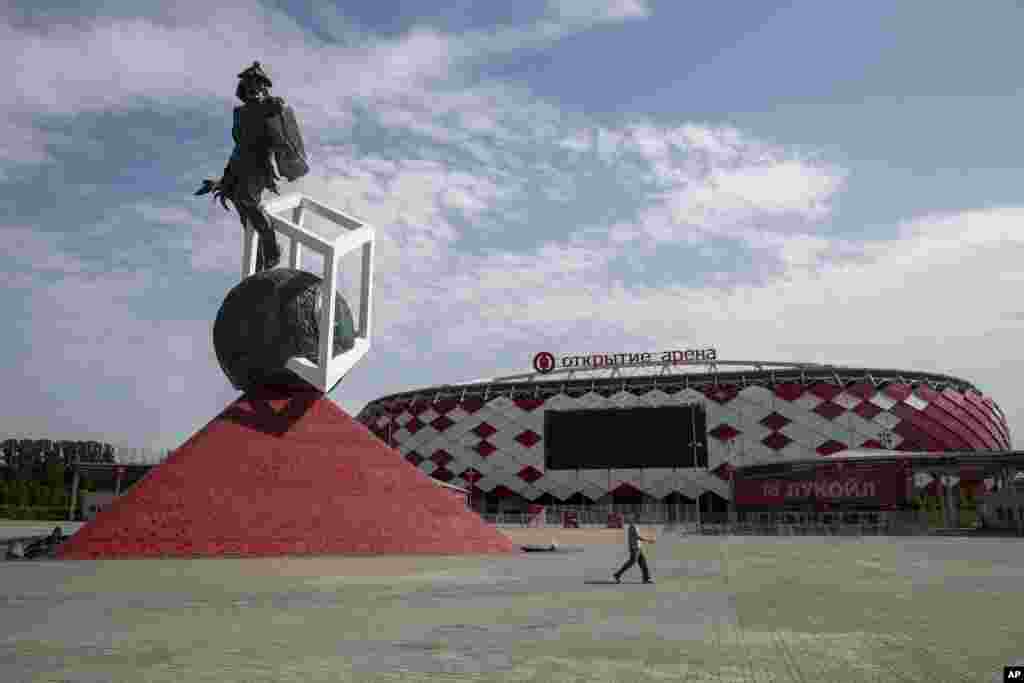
(268, 253)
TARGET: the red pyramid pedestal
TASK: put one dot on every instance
(284, 472)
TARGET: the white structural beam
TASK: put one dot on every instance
(344, 234)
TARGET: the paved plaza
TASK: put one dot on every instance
(724, 609)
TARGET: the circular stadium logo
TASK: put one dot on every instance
(544, 362)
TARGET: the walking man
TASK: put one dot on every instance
(636, 555)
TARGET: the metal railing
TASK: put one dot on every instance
(687, 521)
(658, 514)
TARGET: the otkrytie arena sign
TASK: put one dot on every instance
(545, 362)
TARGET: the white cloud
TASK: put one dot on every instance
(31, 249)
(599, 10)
(786, 186)
(20, 144)
(579, 141)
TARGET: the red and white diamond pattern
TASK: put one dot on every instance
(500, 442)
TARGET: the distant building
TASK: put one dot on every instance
(94, 501)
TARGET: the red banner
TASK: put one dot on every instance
(876, 485)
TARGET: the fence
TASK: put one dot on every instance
(660, 514)
(888, 523)
(686, 519)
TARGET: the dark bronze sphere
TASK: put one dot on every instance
(270, 317)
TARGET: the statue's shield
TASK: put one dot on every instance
(289, 152)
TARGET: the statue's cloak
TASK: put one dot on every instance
(263, 131)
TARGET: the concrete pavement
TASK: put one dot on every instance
(723, 609)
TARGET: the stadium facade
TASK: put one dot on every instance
(489, 435)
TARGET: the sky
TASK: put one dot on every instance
(797, 182)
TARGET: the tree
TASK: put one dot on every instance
(58, 497)
(33, 493)
(17, 492)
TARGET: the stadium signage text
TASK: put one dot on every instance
(545, 362)
(821, 489)
(881, 483)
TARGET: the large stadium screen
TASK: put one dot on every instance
(623, 438)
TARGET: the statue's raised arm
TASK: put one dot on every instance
(266, 133)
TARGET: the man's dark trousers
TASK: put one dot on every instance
(635, 556)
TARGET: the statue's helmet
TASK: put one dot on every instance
(256, 73)
(253, 83)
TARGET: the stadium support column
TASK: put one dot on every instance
(945, 499)
(732, 498)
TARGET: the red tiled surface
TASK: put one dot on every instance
(722, 393)
(419, 407)
(861, 389)
(503, 491)
(484, 448)
(441, 423)
(825, 391)
(443, 474)
(897, 391)
(441, 457)
(284, 475)
(625, 489)
(529, 404)
(444, 406)
(789, 391)
(471, 475)
(775, 421)
(724, 471)
(724, 432)
(528, 438)
(867, 410)
(829, 410)
(776, 441)
(484, 430)
(830, 447)
(471, 405)
(530, 474)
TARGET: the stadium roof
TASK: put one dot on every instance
(671, 376)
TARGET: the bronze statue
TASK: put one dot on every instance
(265, 131)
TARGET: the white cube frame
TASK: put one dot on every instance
(354, 234)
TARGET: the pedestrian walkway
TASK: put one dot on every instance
(723, 609)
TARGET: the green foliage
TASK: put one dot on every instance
(32, 493)
(55, 474)
(58, 497)
(19, 496)
(39, 513)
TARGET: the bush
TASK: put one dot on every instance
(17, 493)
(32, 491)
(37, 513)
(57, 497)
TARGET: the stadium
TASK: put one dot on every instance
(683, 434)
